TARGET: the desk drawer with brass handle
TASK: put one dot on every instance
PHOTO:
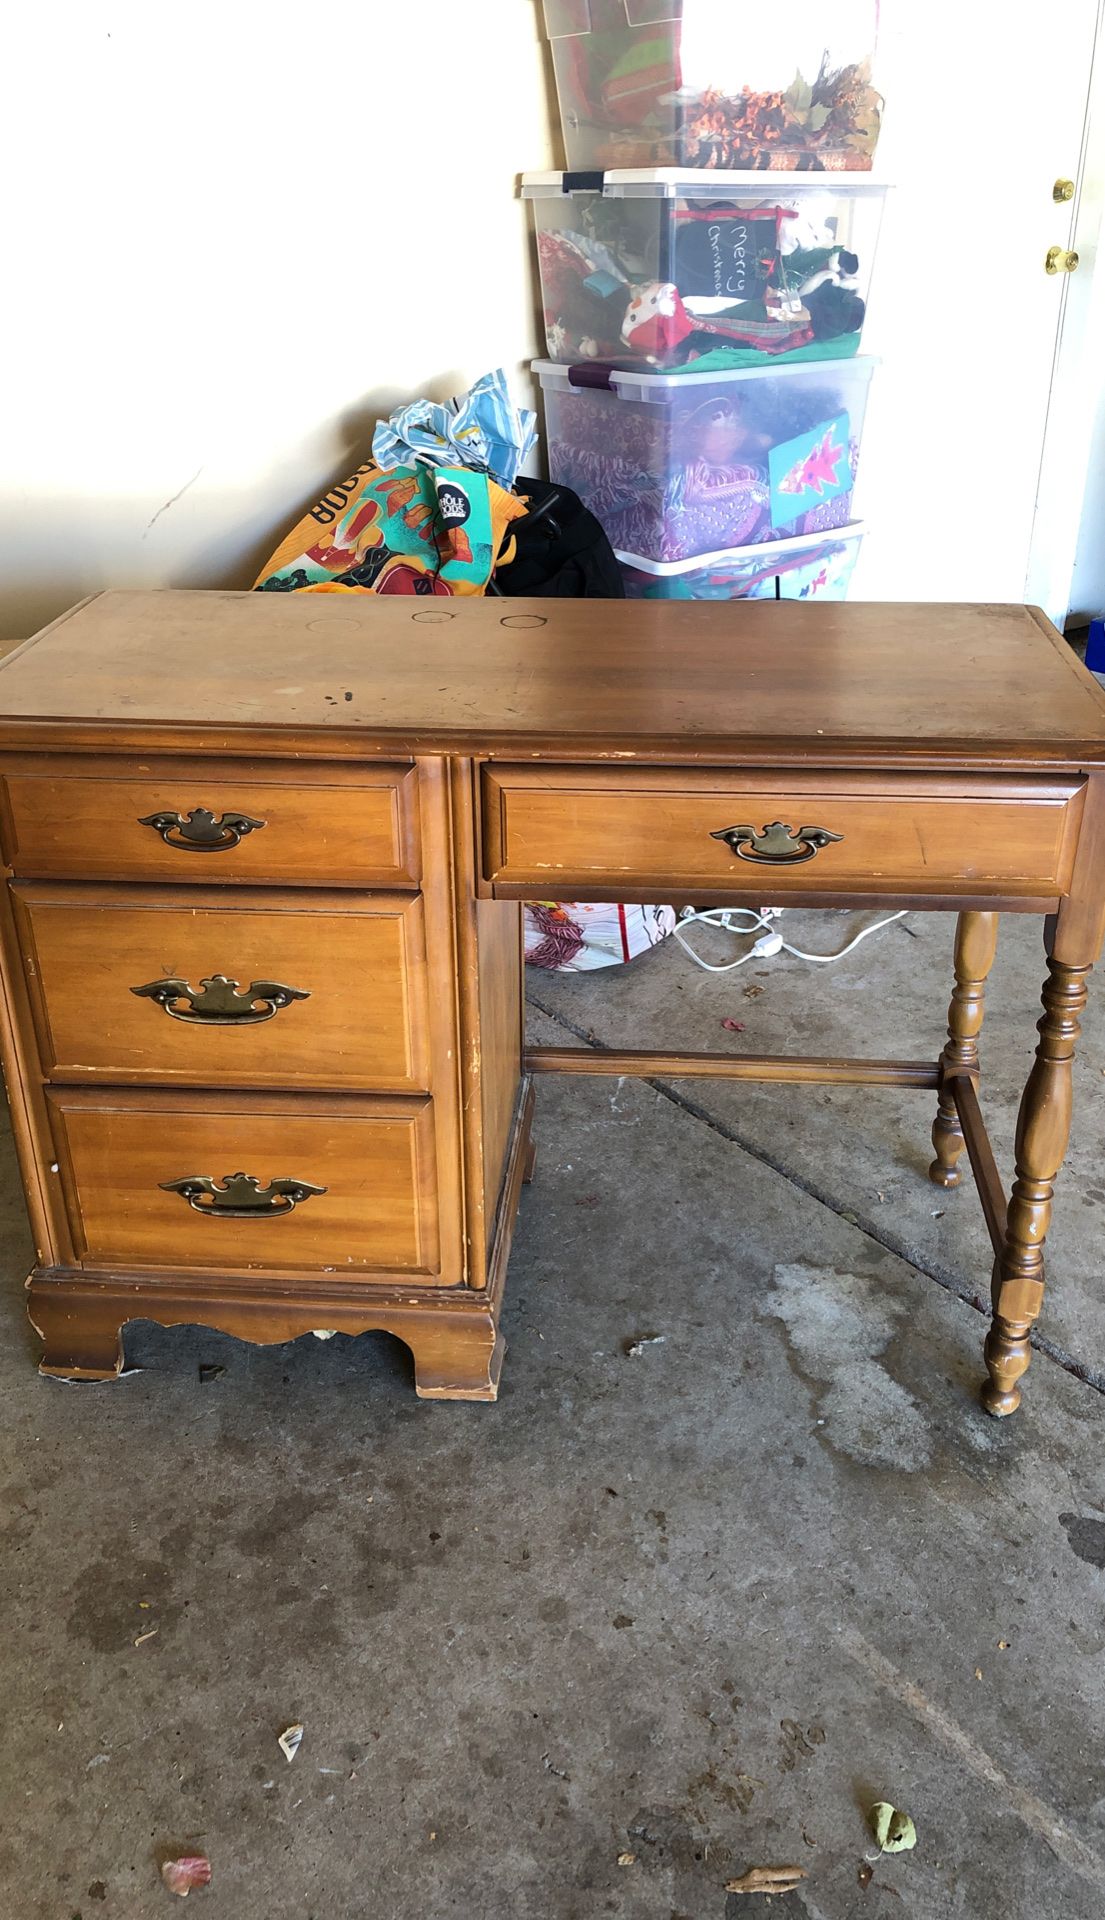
(192, 822)
(222, 986)
(566, 832)
(266, 1182)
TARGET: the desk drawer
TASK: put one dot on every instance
(201, 822)
(375, 1160)
(568, 831)
(355, 1014)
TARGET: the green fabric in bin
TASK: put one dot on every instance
(730, 359)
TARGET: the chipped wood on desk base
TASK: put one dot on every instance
(453, 1336)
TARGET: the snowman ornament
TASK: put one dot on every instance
(655, 321)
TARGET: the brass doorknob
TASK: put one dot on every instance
(1063, 190)
(1059, 260)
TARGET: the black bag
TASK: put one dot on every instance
(562, 552)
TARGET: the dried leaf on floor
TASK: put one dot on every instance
(894, 1831)
(627, 1859)
(289, 1741)
(767, 1880)
(733, 1026)
(191, 1870)
(752, 992)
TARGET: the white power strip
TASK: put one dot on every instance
(769, 942)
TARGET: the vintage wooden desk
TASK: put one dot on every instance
(260, 923)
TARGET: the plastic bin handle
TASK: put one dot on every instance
(591, 373)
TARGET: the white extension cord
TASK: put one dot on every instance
(768, 943)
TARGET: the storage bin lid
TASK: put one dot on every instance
(631, 383)
(741, 556)
(565, 18)
(696, 183)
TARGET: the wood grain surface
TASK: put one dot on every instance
(622, 677)
(375, 1159)
(359, 958)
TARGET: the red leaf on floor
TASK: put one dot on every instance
(733, 1026)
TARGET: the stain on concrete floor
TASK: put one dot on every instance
(1086, 1535)
(838, 1328)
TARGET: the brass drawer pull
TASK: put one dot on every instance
(200, 831)
(776, 843)
(241, 1196)
(219, 1002)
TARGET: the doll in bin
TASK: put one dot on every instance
(720, 494)
(730, 432)
(713, 434)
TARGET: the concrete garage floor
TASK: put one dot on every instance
(694, 1605)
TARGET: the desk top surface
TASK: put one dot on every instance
(611, 679)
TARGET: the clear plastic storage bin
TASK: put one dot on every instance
(815, 567)
(716, 83)
(675, 465)
(660, 266)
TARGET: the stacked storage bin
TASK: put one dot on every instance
(705, 273)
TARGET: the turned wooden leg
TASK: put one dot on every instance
(976, 938)
(1043, 1128)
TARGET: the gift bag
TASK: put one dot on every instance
(580, 936)
(419, 530)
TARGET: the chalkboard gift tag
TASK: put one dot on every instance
(723, 255)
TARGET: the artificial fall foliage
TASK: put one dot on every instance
(832, 124)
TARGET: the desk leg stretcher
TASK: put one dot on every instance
(1017, 1226)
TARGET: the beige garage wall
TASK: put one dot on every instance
(236, 232)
